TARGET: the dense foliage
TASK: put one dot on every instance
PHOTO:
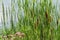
(37, 19)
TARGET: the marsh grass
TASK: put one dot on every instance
(36, 21)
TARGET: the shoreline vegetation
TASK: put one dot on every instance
(30, 20)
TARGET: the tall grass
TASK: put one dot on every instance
(36, 19)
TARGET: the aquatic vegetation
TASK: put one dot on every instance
(30, 20)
